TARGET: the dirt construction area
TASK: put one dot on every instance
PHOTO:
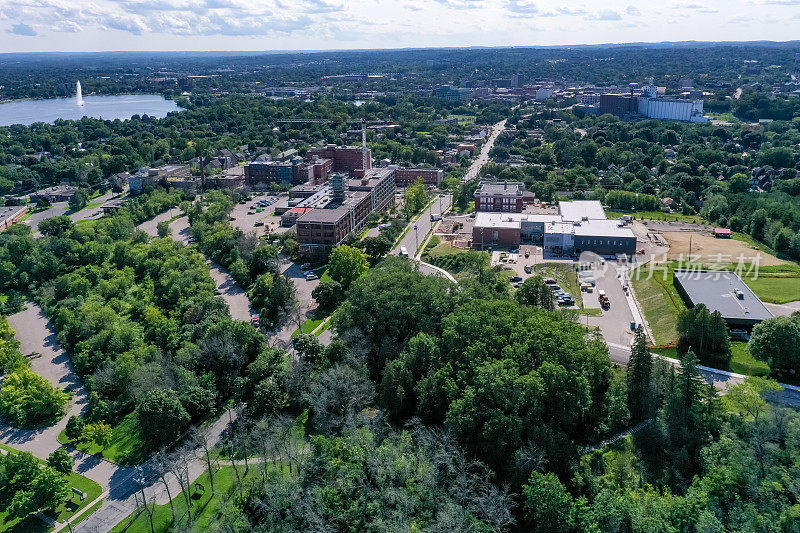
(710, 250)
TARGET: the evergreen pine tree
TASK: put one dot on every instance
(640, 368)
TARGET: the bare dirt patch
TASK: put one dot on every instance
(712, 250)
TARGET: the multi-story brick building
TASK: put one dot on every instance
(319, 168)
(408, 176)
(345, 158)
(262, 173)
(320, 229)
(502, 196)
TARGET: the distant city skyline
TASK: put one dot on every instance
(274, 25)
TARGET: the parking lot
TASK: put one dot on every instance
(246, 216)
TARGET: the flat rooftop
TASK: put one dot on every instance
(505, 188)
(497, 220)
(11, 211)
(721, 291)
(581, 209)
(602, 228)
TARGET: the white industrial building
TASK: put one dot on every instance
(651, 106)
(579, 226)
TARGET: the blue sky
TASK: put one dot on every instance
(97, 25)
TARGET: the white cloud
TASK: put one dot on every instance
(522, 7)
(20, 28)
(66, 26)
(608, 14)
(329, 24)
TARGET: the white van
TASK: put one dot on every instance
(403, 251)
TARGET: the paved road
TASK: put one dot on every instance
(120, 500)
(93, 212)
(413, 238)
(56, 210)
(483, 157)
(35, 335)
(615, 322)
(230, 291)
(151, 226)
(783, 309)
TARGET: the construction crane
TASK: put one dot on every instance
(327, 121)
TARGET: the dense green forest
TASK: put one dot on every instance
(139, 316)
(429, 405)
(444, 409)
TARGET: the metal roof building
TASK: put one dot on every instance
(721, 291)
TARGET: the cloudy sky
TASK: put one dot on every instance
(97, 25)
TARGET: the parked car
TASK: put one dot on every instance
(555, 288)
(550, 281)
(305, 266)
(311, 276)
(515, 279)
(527, 253)
(528, 269)
(255, 321)
(259, 223)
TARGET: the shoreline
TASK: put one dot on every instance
(84, 97)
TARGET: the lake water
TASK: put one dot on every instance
(107, 107)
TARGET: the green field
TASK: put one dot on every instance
(776, 284)
(660, 303)
(205, 508)
(658, 215)
(64, 511)
(125, 448)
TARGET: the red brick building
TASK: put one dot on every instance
(500, 196)
(408, 176)
(345, 158)
(320, 168)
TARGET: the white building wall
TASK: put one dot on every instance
(685, 110)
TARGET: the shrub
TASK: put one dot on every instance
(28, 399)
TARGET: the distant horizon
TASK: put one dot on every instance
(286, 26)
(689, 43)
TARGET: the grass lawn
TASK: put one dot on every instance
(660, 303)
(62, 512)
(741, 361)
(125, 448)
(776, 284)
(658, 215)
(205, 509)
(308, 326)
(464, 120)
(565, 276)
(86, 222)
